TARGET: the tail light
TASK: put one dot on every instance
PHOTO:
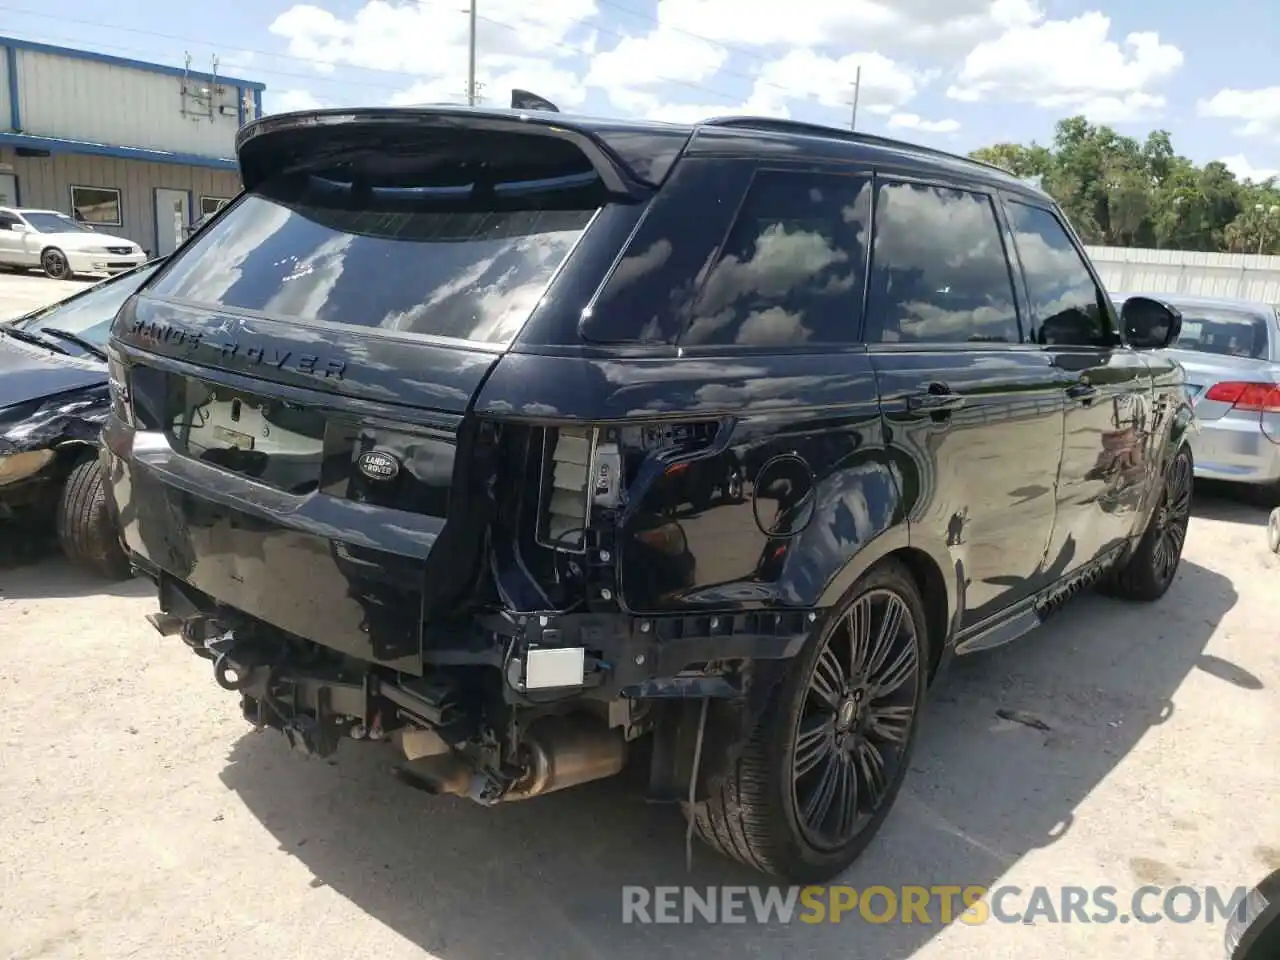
(1262, 398)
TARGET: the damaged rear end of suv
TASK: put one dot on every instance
(398, 478)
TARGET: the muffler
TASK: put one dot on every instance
(566, 753)
(558, 753)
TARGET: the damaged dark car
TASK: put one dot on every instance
(53, 401)
(537, 445)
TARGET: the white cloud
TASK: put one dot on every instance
(799, 76)
(288, 100)
(1259, 109)
(562, 87)
(913, 121)
(792, 58)
(676, 56)
(803, 73)
(1244, 170)
(703, 58)
(519, 44)
(1070, 66)
(836, 24)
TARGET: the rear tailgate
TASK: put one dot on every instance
(254, 491)
(300, 372)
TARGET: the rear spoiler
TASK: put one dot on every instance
(630, 159)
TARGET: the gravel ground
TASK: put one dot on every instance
(142, 818)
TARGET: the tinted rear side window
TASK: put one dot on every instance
(1223, 331)
(792, 270)
(451, 261)
(939, 270)
(650, 294)
(1066, 304)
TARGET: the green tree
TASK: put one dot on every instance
(1120, 191)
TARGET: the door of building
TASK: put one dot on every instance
(173, 214)
(8, 190)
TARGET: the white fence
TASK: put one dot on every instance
(1237, 275)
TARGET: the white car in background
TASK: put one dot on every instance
(62, 247)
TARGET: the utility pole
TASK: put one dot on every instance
(857, 87)
(471, 59)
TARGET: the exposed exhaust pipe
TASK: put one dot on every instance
(561, 753)
(564, 753)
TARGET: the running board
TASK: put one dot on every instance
(1030, 613)
(1009, 628)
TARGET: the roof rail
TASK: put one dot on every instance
(774, 125)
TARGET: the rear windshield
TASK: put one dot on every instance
(1228, 333)
(418, 252)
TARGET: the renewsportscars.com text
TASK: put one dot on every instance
(937, 904)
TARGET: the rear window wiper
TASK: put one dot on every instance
(26, 337)
(88, 346)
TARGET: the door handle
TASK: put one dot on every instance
(1084, 392)
(937, 398)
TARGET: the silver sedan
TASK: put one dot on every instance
(1230, 350)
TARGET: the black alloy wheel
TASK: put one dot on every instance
(1172, 516)
(812, 785)
(1148, 572)
(856, 720)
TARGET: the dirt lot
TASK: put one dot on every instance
(142, 818)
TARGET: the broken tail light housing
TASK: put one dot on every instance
(582, 469)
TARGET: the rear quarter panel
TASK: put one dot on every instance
(784, 417)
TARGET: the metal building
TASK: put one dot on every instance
(140, 149)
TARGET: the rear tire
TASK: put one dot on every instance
(1273, 530)
(818, 776)
(1149, 571)
(86, 529)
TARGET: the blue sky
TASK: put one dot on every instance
(954, 73)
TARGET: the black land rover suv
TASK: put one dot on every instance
(529, 441)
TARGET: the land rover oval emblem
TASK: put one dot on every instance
(377, 465)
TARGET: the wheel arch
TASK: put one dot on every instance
(938, 592)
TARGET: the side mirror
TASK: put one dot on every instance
(1253, 931)
(18, 227)
(1149, 324)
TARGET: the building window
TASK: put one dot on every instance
(99, 206)
(211, 205)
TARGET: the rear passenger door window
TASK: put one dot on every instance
(939, 272)
(1068, 307)
(792, 269)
